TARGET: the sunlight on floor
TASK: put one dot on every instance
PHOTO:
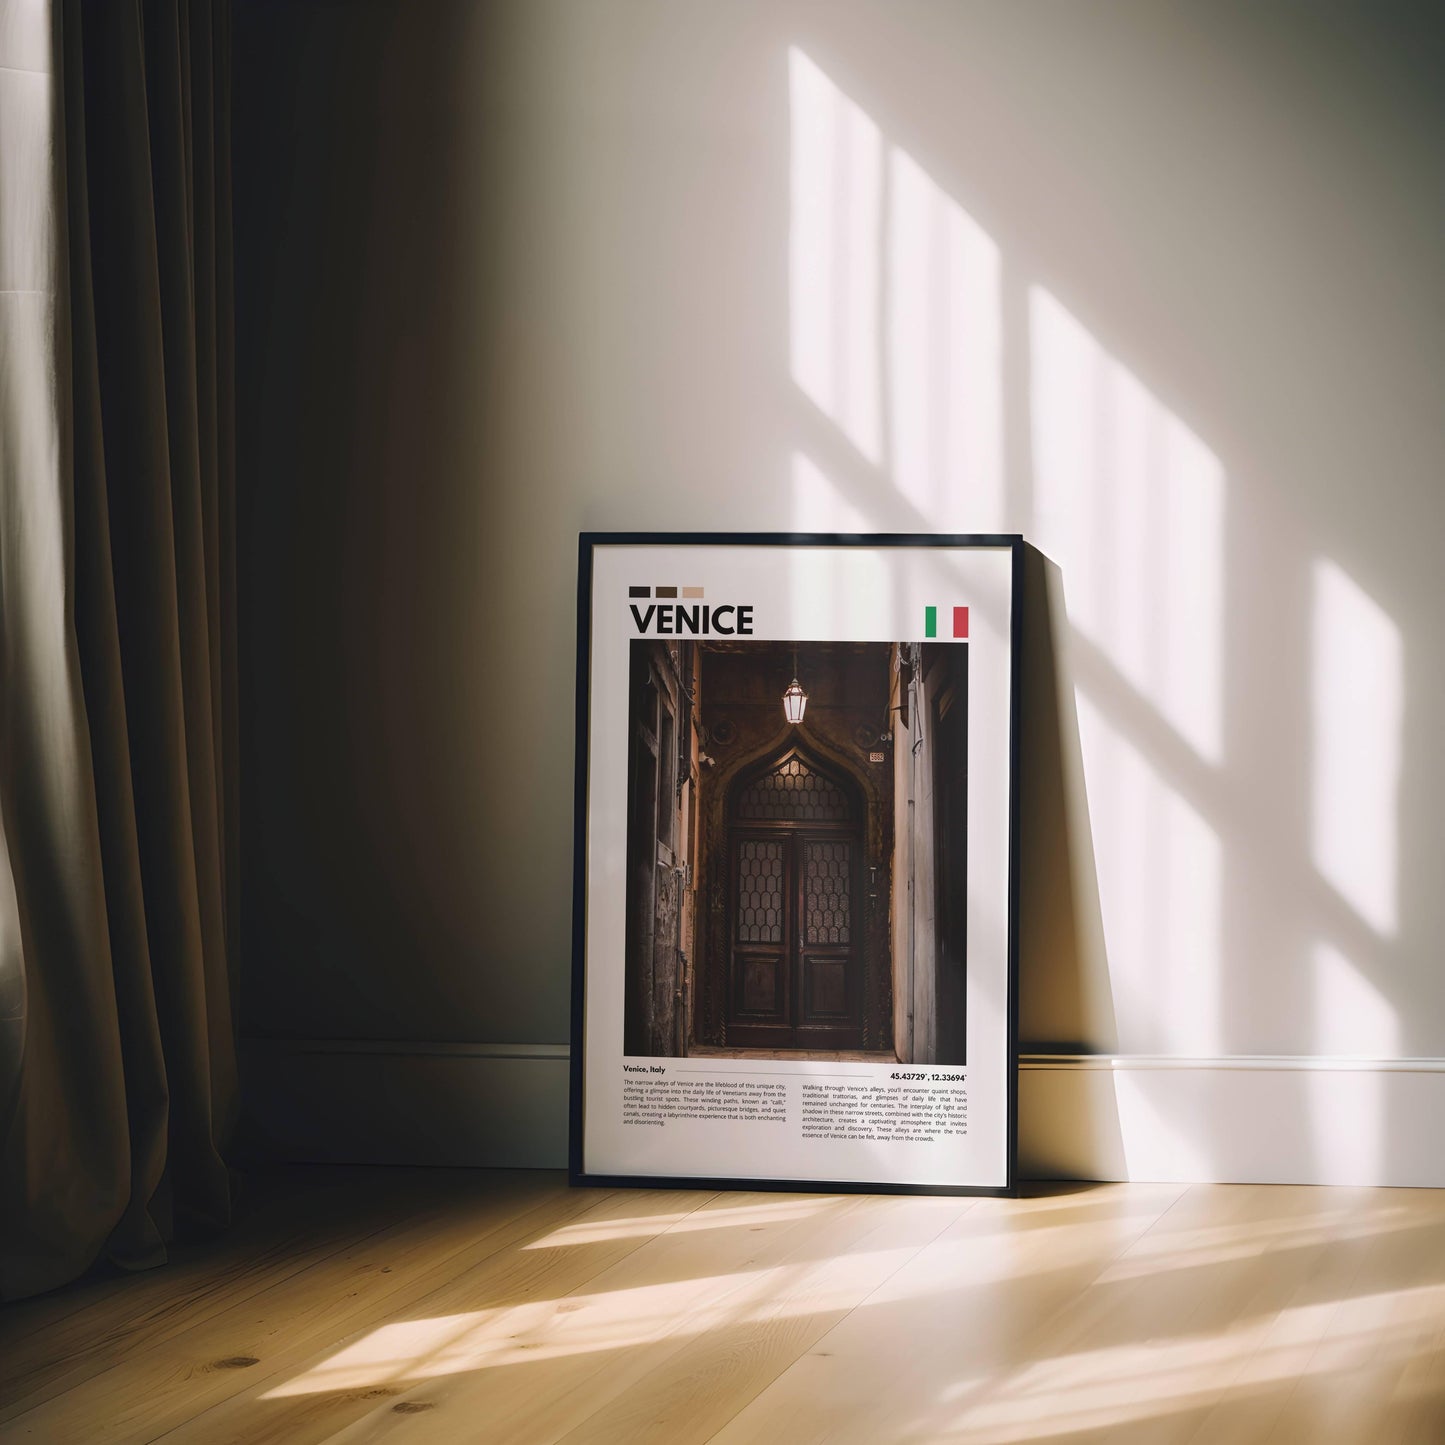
(590, 1321)
(526, 1332)
(686, 1220)
(989, 1320)
(1112, 1386)
(1219, 1244)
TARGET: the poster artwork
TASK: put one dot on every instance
(795, 924)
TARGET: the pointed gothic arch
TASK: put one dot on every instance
(795, 952)
(794, 784)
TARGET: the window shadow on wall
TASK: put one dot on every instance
(943, 386)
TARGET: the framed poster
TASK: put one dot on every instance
(795, 917)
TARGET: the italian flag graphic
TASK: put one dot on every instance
(960, 622)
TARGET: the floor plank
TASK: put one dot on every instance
(431, 1306)
(149, 1384)
(289, 1220)
(538, 1373)
(946, 1327)
(692, 1395)
(308, 1394)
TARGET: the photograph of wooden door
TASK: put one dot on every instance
(795, 930)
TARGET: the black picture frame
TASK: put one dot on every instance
(588, 543)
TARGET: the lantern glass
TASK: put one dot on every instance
(795, 701)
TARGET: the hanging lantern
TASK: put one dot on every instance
(795, 701)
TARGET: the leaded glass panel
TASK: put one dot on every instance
(794, 793)
(827, 891)
(760, 890)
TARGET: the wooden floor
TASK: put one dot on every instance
(352, 1305)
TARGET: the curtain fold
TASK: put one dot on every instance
(117, 776)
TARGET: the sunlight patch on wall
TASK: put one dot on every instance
(837, 183)
(1347, 1112)
(1160, 869)
(1130, 504)
(944, 332)
(818, 505)
(896, 325)
(818, 578)
(1348, 1125)
(1351, 1016)
(1359, 700)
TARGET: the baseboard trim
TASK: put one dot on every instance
(1286, 1119)
(1254, 1063)
(383, 1101)
(1233, 1119)
(425, 1048)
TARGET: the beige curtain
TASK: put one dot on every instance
(117, 675)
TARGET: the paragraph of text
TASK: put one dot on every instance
(895, 1112)
(665, 1101)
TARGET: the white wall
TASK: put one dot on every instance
(1158, 286)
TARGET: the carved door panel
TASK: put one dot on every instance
(796, 961)
(762, 983)
(829, 989)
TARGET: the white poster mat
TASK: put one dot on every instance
(805, 593)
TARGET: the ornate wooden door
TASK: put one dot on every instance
(795, 925)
